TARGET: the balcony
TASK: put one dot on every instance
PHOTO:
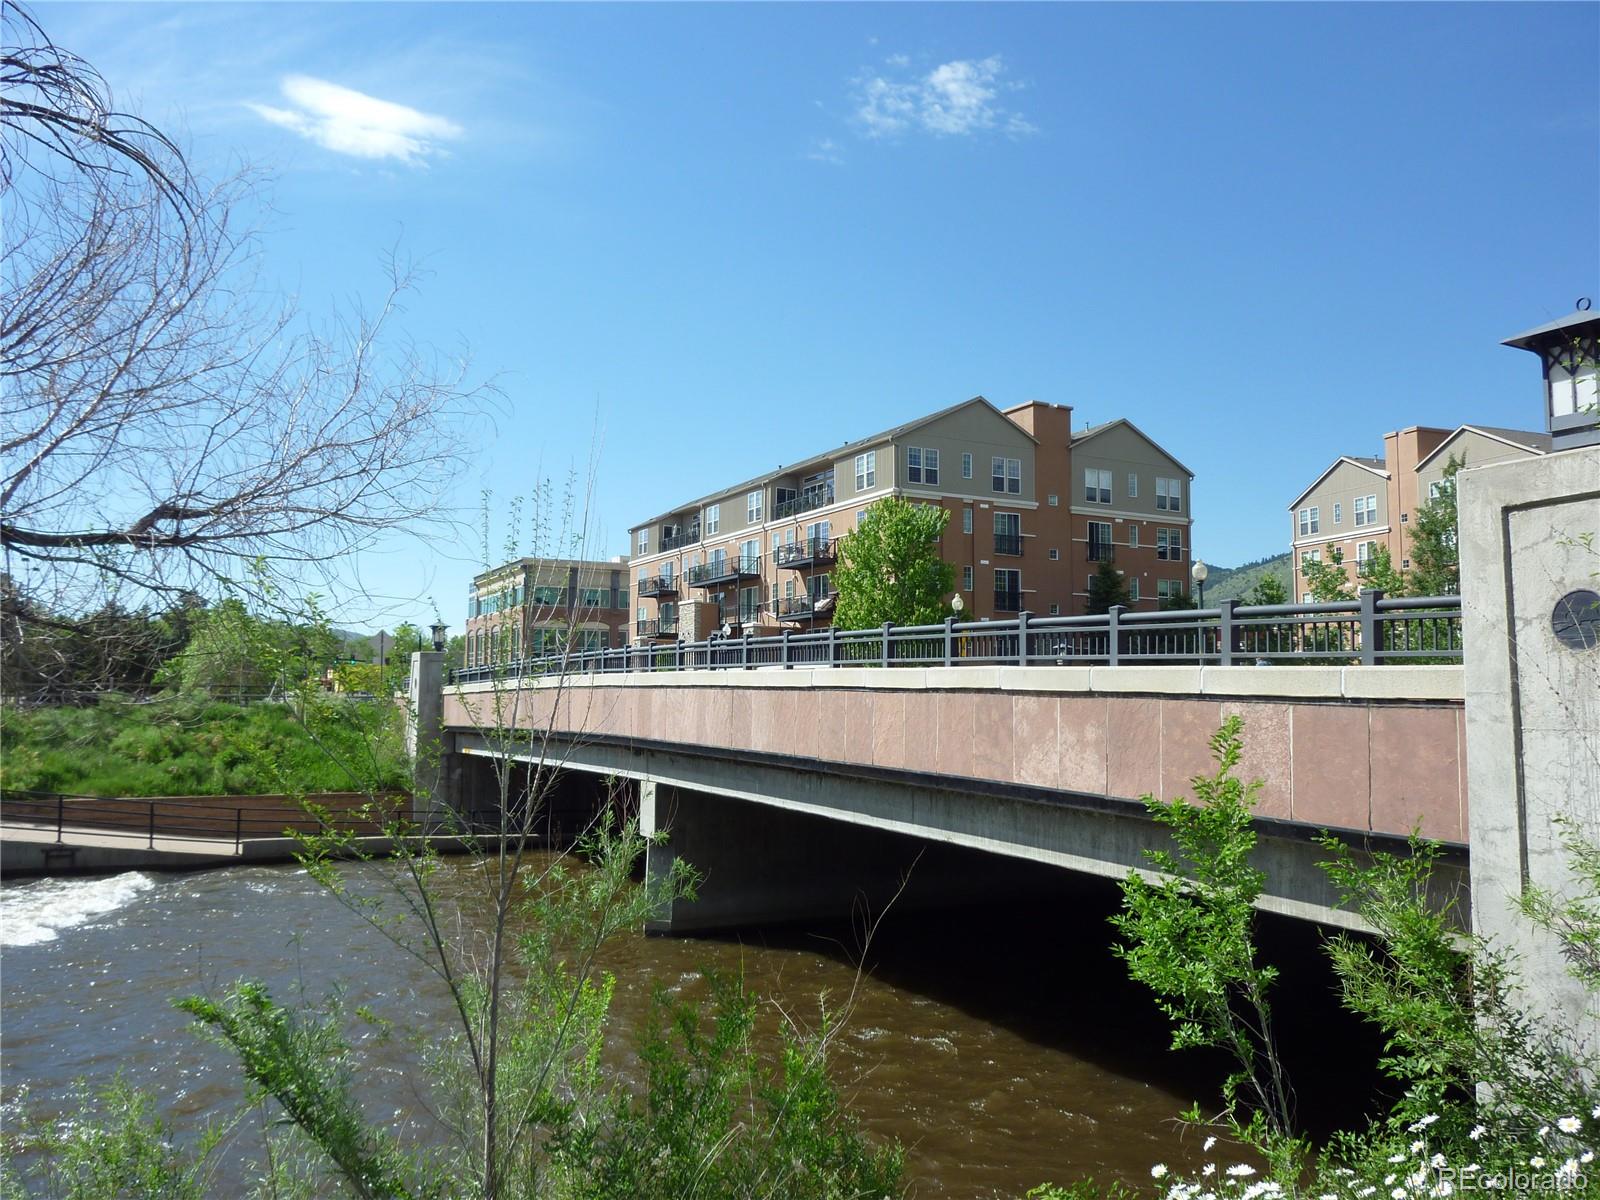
(1007, 601)
(808, 552)
(665, 627)
(1102, 552)
(660, 585)
(673, 541)
(1008, 543)
(803, 608)
(725, 570)
(803, 503)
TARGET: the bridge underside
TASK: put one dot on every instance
(777, 837)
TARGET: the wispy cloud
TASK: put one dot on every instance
(350, 122)
(825, 150)
(955, 99)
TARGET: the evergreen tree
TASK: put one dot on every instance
(1108, 588)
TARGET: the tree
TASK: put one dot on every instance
(889, 568)
(1107, 588)
(1269, 589)
(1435, 565)
(166, 430)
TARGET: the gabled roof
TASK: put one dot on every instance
(1094, 431)
(1533, 443)
(1375, 465)
(830, 455)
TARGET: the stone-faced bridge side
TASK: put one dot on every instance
(1380, 749)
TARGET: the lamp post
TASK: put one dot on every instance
(437, 629)
(957, 604)
(1198, 573)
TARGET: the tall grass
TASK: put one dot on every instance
(194, 746)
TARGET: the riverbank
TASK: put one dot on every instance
(172, 745)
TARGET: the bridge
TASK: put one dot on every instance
(800, 772)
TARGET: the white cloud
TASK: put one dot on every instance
(955, 99)
(350, 122)
(825, 150)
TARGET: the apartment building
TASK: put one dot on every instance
(524, 608)
(1359, 504)
(1033, 508)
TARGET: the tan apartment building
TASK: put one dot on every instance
(1033, 508)
(1359, 504)
(522, 609)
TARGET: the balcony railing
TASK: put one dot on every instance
(1008, 543)
(1007, 601)
(659, 585)
(1371, 631)
(1102, 552)
(808, 552)
(803, 503)
(803, 608)
(662, 627)
(674, 541)
(722, 570)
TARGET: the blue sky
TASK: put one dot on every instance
(709, 239)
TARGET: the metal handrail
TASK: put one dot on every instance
(1372, 630)
(803, 503)
(733, 566)
(807, 550)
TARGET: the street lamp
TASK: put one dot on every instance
(957, 604)
(1198, 573)
(437, 629)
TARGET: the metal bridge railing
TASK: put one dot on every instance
(1372, 630)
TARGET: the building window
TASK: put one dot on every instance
(593, 597)
(1310, 521)
(1007, 533)
(922, 465)
(1055, 610)
(644, 541)
(1133, 534)
(861, 515)
(866, 470)
(1435, 488)
(1006, 475)
(1096, 486)
(753, 504)
(1366, 510)
(547, 594)
(966, 519)
(1169, 589)
(1169, 544)
(1169, 494)
(713, 518)
(1055, 554)
(1338, 514)
(966, 466)
(1100, 541)
(1309, 556)
(1053, 500)
(1133, 587)
(1133, 486)
(1007, 590)
(1365, 551)
(966, 578)
(1305, 597)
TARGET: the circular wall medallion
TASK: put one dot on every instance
(1576, 620)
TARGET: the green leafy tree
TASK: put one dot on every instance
(1435, 559)
(1326, 578)
(1175, 601)
(1107, 588)
(1269, 589)
(1190, 937)
(889, 567)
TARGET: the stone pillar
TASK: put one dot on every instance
(1530, 572)
(425, 738)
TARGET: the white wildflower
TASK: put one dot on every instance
(1477, 1132)
(1418, 1147)
(1388, 1179)
(1569, 1124)
(1209, 1169)
(1567, 1171)
(1443, 1188)
(1395, 1158)
(1398, 1193)
(1212, 1141)
(1536, 1162)
(1437, 1161)
(1241, 1170)
(1366, 1191)
(1159, 1171)
(1586, 1157)
(1543, 1130)
(1423, 1122)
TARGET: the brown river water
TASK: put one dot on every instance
(1003, 1047)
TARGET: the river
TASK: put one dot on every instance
(1002, 1047)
